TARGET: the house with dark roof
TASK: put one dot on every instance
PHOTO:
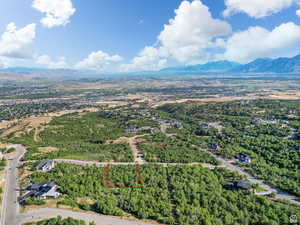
(42, 190)
(243, 158)
(238, 185)
(45, 165)
(260, 121)
(213, 146)
(204, 125)
(297, 147)
(177, 125)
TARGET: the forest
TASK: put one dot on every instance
(267, 130)
(81, 137)
(159, 148)
(183, 195)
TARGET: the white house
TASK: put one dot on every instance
(45, 165)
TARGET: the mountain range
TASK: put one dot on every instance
(264, 65)
(211, 66)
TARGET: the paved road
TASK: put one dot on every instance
(224, 163)
(103, 164)
(280, 194)
(47, 213)
(10, 206)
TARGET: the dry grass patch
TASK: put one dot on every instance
(85, 200)
(47, 149)
(50, 203)
(117, 141)
(38, 123)
(25, 172)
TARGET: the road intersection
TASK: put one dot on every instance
(10, 212)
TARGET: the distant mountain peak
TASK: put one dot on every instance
(267, 65)
(219, 66)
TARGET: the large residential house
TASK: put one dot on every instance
(43, 190)
(203, 125)
(213, 146)
(131, 130)
(260, 121)
(243, 158)
(45, 165)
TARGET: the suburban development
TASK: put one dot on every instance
(200, 128)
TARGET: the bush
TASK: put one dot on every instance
(33, 201)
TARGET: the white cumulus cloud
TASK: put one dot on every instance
(186, 38)
(47, 61)
(298, 12)
(257, 42)
(58, 12)
(16, 43)
(192, 32)
(150, 58)
(256, 8)
(98, 61)
(4, 62)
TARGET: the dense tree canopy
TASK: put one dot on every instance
(185, 195)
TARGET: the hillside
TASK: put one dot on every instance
(280, 65)
(217, 66)
(264, 65)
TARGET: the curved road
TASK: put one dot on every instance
(225, 164)
(280, 194)
(10, 213)
(46, 213)
(10, 207)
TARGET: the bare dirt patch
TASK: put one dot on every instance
(50, 203)
(38, 123)
(132, 141)
(100, 126)
(47, 149)
(292, 95)
(117, 141)
(112, 104)
(3, 145)
(85, 200)
(26, 125)
(25, 172)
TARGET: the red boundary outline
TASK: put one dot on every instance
(138, 178)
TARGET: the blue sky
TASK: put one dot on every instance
(129, 35)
